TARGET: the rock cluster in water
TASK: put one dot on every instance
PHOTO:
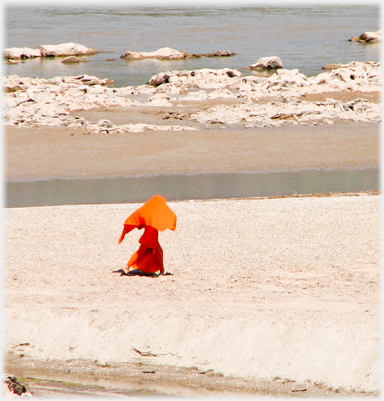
(167, 53)
(249, 101)
(367, 37)
(61, 50)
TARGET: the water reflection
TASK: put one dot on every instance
(184, 187)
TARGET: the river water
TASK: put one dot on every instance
(305, 37)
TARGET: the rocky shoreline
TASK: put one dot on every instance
(254, 101)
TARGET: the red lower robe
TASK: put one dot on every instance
(149, 257)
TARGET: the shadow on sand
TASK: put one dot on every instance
(137, 272)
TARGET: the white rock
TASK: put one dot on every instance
(65, 49)
(169, 88)
(165, 53)
(277, 113)
(12, 83)
(203, 78)
(118, 129)
(159, 99)
(196, 95)
(221, 93)
(105, 123)
(267, 63)
(21, 53)
(370, 36)
(71, 60)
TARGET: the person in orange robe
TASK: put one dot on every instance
(154, 216)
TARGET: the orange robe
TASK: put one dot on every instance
(149, 257)
(153, 216)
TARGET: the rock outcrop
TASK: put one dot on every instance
(332, 66)
(266, 63)
(167, 53)
(107, 127)
(203, 78)
(21, 53)
(65, 49)
(49, 102)
(13, 389)
(291, 111)
(367, 37)
(62, 50)
(33, 102)
(73, 60)
(220, 53)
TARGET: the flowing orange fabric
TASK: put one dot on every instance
(149, 257)
(153, 216)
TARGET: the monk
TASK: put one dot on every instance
(153, 216)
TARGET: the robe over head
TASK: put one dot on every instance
(154, 213)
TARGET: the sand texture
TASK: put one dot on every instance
(261, 289)
(49, 153)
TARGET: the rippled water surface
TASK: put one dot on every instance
(304, 37)
(183, 187)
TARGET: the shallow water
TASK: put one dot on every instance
(188, 187)
(305, 37)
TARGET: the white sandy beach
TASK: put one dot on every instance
(260, 289)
